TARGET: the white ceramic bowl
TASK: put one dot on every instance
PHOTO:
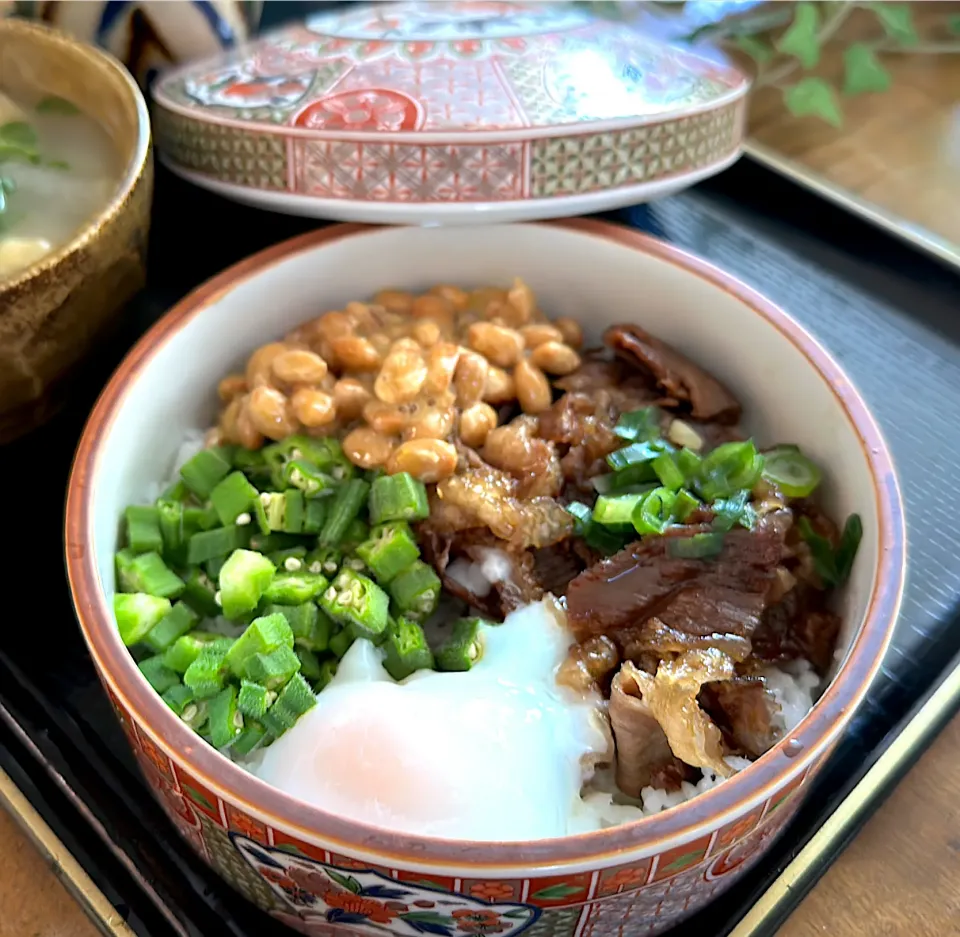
(281, 852)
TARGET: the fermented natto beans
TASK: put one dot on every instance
(457, 297)
(350, 397)
(533, 388)
(539, 333)
(555, 358)
(231, 387)
(402, 375)
(367, 448)
(355, 353)
(426, 332)
(570, 330)
(313, 407)
(260, 364)
(441, 364)
(430, 422)
(395, 301)
(299, 366)
(501, 346)
(270, 412)
(247, 433)
(390, 419)
(476, 423)
(432, 307)
(471, 377)
(500, 388)
(430, 460)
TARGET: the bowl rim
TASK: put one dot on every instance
(133, 167)
(817, 732)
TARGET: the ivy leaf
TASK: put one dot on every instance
(556, 892)
(345, 881)
(681, 862)
(953, 24)
(19, 134)
(758, 50)
(813, 97)
(862, 70)
(897, 21)
(801, 39)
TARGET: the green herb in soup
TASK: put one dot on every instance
(58, 168)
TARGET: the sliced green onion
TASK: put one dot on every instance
(655, 512)
(178, 621)
(416, 590)
(391, 549)
(358, 604)
(399, 497)
(833, 567)
(463, 648)
(684, 505)
(689, 463)
(791, 471)
(729, 468)
(243, 580)
(616, 510)
(635, 454)
(233, 497)
(641, 474)
(201, 473)
(347, 503)
(670, 474)
(734, 510)
(406, 649)
(643, 425)
(698, 547)
(137, 613)
(143, 529)
(158, 674)
(850, 538)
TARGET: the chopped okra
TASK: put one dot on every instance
(137, 614)
(225, 721)
(250, 738)
(206, 675)
(406, 649)
(347, 502)
(261, 636)
(220, 541)
(186, 649)
(358, 603)
(233, 497)
(158, 674)
(328, 670)
(243, 580)
(283, 510)
(463, 648)
(254, 700)
(178, 621)
(340, 643)
(200, 593)
(416, 590)
(272, 669)
(291, 703)
(143, 529)
(294, 588)
(309, 663)
(201, 473)
(178, 697)
(399, 497)
(390, 550)
(147, 573)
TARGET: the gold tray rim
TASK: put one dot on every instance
(929, 242)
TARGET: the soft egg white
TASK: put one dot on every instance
(498, 753)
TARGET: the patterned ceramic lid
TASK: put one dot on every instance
(413, 112)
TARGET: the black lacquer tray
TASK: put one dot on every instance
(887, 313)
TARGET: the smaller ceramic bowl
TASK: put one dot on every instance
(52, 313)
(333, 877)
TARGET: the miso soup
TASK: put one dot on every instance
(58, 169)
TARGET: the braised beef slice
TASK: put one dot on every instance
(439, 549)
(724, 595)
(555, 566)
(799, 626)
(677, 376)
(744, 710)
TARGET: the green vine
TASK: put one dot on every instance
(784, 40)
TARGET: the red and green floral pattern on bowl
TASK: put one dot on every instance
(320, 892)
(462, 102)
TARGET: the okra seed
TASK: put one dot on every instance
(474, 651)
(338, 472)
(329, 567)
(238, 720)
(295, 453)
(189, 712)
(270, 697)
(296, 477)
(243, 519)
(217, 598)
(355, 563)
(292, 564)
(345, 598)
(315, 568)
(342, 582)
(265, 498)
(331, 594)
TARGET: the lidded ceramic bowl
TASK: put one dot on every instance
(328, 876)
(453, 113)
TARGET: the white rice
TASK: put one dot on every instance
(794, 686)
(479, 577)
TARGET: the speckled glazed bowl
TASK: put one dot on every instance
(52, 313)
(328, 876)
